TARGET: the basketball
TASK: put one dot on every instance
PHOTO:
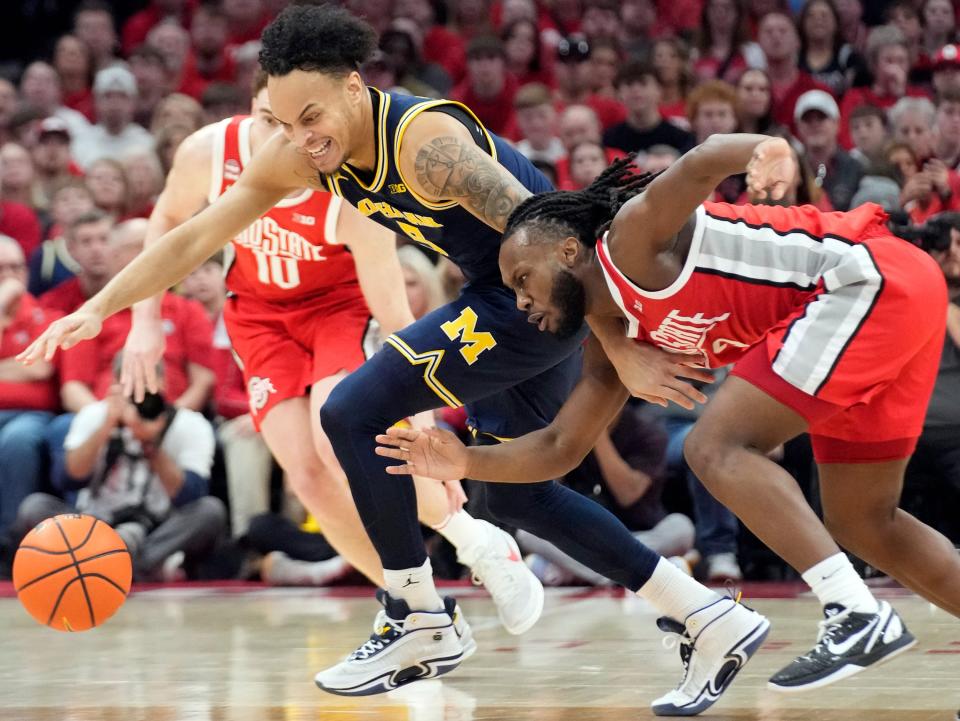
(72, 572)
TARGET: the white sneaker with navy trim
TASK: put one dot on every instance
(409, 646)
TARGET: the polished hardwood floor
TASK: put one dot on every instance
(249, 654)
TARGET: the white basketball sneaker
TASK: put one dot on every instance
(498, 565)
(451, 606)
(716, 642)
(410, 645)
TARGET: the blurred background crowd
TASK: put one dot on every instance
(95, 97)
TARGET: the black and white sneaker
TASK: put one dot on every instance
(407, 647)
(848, 643)
(715, 643)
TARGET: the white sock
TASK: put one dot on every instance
(415, 586)
(834, 580)
(673, 593)
(462, 530)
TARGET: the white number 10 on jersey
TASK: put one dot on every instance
(276, 270)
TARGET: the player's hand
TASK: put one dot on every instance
(141, 354)
(772, 169)
(82, 324)
(657, 376)
(432, 453)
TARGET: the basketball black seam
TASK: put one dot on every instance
(64, 568)
(62, 553)
(108, 580)
(83, 585)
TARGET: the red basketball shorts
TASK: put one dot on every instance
(284, 349)
(869, 400)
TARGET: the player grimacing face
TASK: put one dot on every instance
(540, 273)
(317, 112)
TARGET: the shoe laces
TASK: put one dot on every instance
(677, 636)
(827, 630)
(379, 640)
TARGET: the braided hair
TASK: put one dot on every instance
(584, 214)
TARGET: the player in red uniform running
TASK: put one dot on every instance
(835, 326)
(297, 321)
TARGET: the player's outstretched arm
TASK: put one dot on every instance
(184, 194)
(440, 161)
(658, 213)
(374, 249)
(538, 456)
(172, 257)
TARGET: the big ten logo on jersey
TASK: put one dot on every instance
(278, 252)
(686, 334)
(464, 327)
(408, 223)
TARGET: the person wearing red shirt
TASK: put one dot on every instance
(246, 20)
(87, 244)
(572, 73)
(780, 43)
(488, 89)
(888, 58)
(28, 395)
(578, 124)
(20, 223)
(139, 24)
(207, 62)
(74, 64)
(441, 46)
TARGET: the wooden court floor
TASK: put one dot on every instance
(231, 655)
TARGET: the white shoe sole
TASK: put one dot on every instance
(395, 678)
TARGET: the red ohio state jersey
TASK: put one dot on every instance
(289, 253)
(750, 269)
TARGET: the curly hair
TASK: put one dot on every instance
(320, 38)
(584, 214)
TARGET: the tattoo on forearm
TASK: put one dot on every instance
(450, 168)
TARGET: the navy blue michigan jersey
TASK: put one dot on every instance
(446, 228)
(478, 351)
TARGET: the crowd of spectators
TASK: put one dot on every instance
(96, 96)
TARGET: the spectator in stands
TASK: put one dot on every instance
(578, 124)
(8, 106)
(172, 41)
(946, 70)
(28, 396)
(537, 124)
(600, 20)
(168, 140)
(934, 188)
(572, 74)
(640, 92)
(605, 60)
(223, 100)
(903, 15)
(852, 28)
(888, 58)
(178, 109)
(947, 134)
(246, 19)
(40, 89)
(144, 180)
(638, 27)
(18, 179)
(780, 42)
(115, 134)
(208, 62)
(87, 242)
(19, 222)
(74, 65)
(823, 53)
(818, 124)
(51, 264)
(52, 162)
(755, 103)
(154, 82)
(723, 42)
(658, 158)
(440, 45)
(937, 457)
(403, 43)
(868, 133)
(246, 457)
(939, 22)
(108, 184)
(488, 89)
(671, 62)
(912, 121)
(93, 25)
(587, 161)
(422, 281)
(524, 54)
(139, 25)
(145, 470)
(712, 108)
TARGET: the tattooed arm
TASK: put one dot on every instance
(440, 161)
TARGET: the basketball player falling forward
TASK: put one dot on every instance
(835, 326)
(428, 169)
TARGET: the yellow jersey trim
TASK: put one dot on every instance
(380, 175)
(431, 359)
(398, 138)
(474, 432)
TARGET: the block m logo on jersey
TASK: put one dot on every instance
(464, 327)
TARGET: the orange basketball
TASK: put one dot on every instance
(72, 572)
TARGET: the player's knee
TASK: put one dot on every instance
(708, 458)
